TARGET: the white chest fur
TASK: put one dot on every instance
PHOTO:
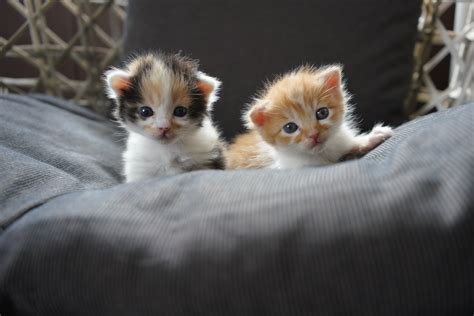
(146, 158)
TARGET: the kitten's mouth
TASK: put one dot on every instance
(315, 144)
(315, 141)
(165, 138)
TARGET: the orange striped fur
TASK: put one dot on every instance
(246, 153)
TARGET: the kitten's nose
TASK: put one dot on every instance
(314, 137)
(163, 130)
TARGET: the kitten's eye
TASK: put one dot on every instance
(145, 111)
(290, 128)
(180, 111)
(322, 113)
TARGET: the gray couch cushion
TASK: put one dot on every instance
(245, 42)
(389, 234)
(50, 147)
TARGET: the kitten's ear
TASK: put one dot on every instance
(256, 115)
(209, 87)
(332, 80)
(118, 82)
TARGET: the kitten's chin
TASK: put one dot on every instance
(314, 147)
(166, 140)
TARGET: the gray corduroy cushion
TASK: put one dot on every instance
(51, 148)
(390, 234)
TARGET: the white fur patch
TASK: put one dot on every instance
(146, 158)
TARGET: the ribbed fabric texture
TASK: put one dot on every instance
(49, 147)
(389, 234)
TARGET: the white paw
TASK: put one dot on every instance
(382, 131)
(366, 143)
(377, 136)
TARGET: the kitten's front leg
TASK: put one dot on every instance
(366, 143)
(185, 163)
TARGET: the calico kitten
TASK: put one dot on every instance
(301, 119)
(164, 103)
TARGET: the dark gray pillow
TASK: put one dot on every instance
(244, 42)
(50, 147)
(388, 234)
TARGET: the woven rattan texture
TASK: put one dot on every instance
(66, 67)
(437, 43)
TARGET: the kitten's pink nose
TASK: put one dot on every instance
(163, 131)
(314, 137)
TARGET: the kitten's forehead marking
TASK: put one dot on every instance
(298, 96)
(162, 82)
(155, 85)
(296, 109)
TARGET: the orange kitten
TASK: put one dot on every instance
(301, 119)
